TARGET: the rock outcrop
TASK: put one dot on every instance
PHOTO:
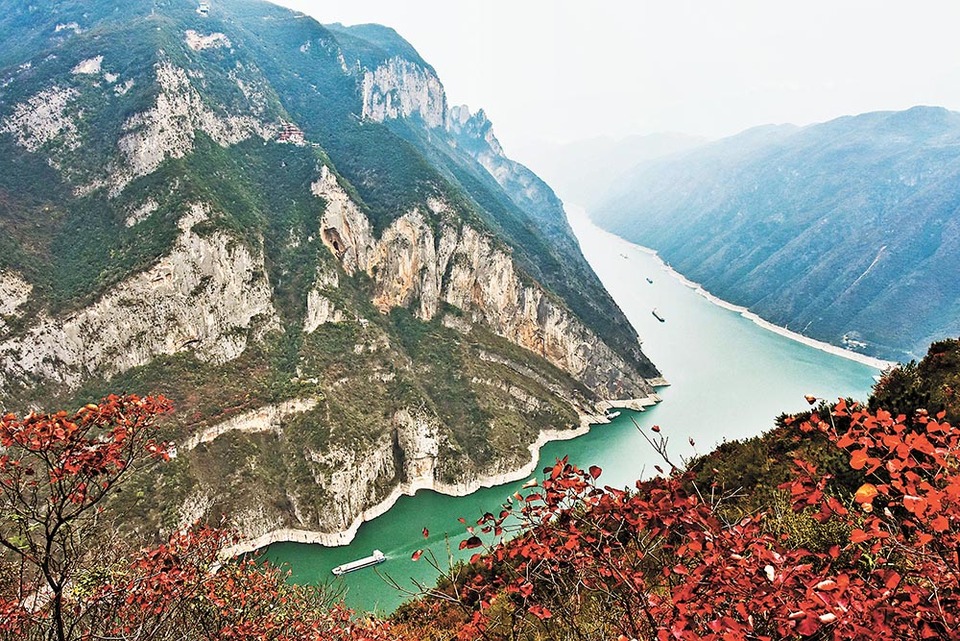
(207, 295)
(43, 118)
(14, 292)
(418, 437)
(350, 478)
(400, 89)
(264, 419)
(412, 266)
(199, 42)
(169, 128)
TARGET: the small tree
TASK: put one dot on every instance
(55, 472)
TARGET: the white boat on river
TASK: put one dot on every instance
(376, 558)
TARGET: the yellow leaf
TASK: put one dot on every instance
(866, 493)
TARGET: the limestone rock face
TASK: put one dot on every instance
(90, 66)
(461, 121)
(399, 89)
(263, 419)
(346, 231)
(418, 439)
(206, 295)
(199, 42)
(14, 292)
(42, 119)
(320, 310)
(168, 129)
(413, 268)
(351, 480)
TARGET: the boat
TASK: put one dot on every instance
(650, 280)
(658, 316)
(611, 414)
(376, 558)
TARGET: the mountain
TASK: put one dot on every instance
(846, 231)
(585, 171)
(345, 287)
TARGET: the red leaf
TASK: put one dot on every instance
(808, 626)
(858, 459)
(892, 580)
(859, 536)
(866, 493)
(595, 471)
(915, 504)
(540, 612)
(940, 524)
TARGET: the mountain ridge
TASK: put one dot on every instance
(833, 230)
(237, 215)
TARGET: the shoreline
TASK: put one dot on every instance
(870, 361)
(756, 319)
(345, 537)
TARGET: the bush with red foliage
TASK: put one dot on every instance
(661, 561)
(62, 579)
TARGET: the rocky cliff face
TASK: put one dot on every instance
(401, 89)
(14, 293)
(209, 295)
(168, 129)
(412, 266)
(338, 320)
(473, 133)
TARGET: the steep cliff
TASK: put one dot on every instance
(237, 209)
(207, 295)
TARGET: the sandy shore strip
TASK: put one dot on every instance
(333, 539)
(574, 210)
(871, 361)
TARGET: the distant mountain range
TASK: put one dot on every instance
(344, 285)
(846, 231)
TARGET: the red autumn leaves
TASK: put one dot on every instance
(61, 579)
(663, 562)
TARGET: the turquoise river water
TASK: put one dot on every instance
(729, 378)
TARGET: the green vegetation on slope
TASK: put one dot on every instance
(822, 229)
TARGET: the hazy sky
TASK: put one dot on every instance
(563, 70)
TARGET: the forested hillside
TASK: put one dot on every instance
(845, 231)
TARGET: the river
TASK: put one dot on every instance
(729, 378)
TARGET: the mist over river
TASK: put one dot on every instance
(729, 378)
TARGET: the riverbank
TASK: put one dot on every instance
(345, 537)
(829, 348)
(730, 379)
